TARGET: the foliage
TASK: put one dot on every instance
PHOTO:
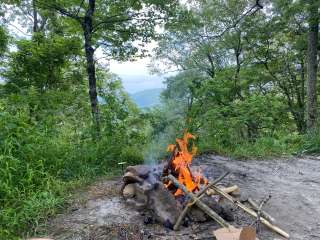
(50, 54)
(241, 75)
(41, 157)
(46, 132)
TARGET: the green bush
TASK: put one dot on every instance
(311, 143)
(43, 156)
(131, 155)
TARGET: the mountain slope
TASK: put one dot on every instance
(147, 98)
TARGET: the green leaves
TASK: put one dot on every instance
(245, 73)
(40, 62)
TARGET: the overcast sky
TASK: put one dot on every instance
(136, 76)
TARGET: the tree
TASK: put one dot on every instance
(52, 55)
(312, 64)
(4, 38)
(116, 26)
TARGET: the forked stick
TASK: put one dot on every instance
(198, 202)
(190, 203)
(251, 212)
(264, 214)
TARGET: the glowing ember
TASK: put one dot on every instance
(181, 161)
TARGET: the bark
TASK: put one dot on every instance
(87, 26)
(312, 65)
(35, 17)
(237, 52)
(211, 71)
(302, 99)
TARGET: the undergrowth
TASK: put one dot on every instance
(42, 161)
(263, 147)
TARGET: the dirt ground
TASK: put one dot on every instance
(99, 213)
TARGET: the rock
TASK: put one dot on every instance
(129, 191)
(139, 170)
(143, 189)
(130, 177)
(163, 204)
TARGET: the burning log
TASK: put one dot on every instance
(198, 195)
(168, 164)
(179, 164)
(251, 212)
(198, 202)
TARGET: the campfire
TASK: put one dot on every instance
(175, 193)
(179, 166)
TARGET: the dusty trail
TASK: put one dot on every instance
(293, 183)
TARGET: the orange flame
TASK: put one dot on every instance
(181, 165)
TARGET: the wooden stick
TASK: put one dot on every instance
(167, 167)
(258, 221)
(182, 216)
(263, 213)
(226, 190)
(219, 179)
(198, 195)
(199, 203)
(251, 212)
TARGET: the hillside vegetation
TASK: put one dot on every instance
(147, 98)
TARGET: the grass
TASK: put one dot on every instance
(27, 211)
(39, 169)
(264, 147)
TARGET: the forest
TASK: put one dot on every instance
(241, 76)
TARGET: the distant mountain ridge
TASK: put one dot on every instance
(135, 83)
(147, 98)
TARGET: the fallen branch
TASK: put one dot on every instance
(198, 202)
(198, 196)
(251, 212)
(263, 213)
(258, 220)
(226, 190)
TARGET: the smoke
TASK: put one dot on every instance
(156, 150)
(171, 125)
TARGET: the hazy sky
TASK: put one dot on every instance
(135, 75)
(138, 67)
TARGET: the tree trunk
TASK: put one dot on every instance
(312, 65)
(302, 94)
(87, 26)
(35, 17)
(237, 52)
